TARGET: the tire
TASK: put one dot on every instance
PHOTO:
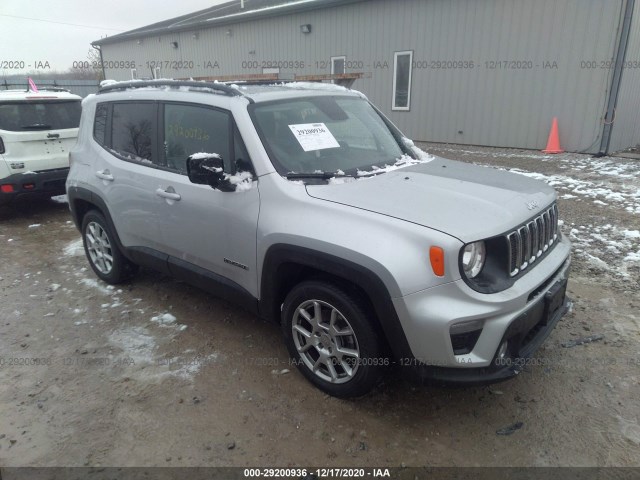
(341, 354)
(101, 250)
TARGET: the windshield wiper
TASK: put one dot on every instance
(37, 126)
(320, 175)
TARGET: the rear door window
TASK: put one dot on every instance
(40, 115)
(134, 131)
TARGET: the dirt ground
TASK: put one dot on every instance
(157, 373)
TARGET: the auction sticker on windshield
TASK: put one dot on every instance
(314, 136)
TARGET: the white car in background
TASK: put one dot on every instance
(37, 130)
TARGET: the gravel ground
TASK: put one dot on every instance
(157, 373)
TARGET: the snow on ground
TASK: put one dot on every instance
(137, 343)
(607, 248)
(93, 283)
(140, 353)
(138, 346)
(600, 193)
(164, 319)
(168, 320)
(602, 166)
(74, 249)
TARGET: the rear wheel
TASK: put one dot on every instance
(332, 339)
(103, 254)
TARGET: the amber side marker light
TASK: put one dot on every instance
(436, 256)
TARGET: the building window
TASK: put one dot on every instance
(156, 73)
(338, 65)
(402, 69)
(134, 74)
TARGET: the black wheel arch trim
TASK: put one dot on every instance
(75, 193)
(378, 295)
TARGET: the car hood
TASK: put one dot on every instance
(466, 201)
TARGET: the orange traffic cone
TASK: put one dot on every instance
(553, 145)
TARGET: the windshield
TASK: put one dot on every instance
(325, 134)
(40, 115)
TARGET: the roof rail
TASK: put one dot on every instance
(220, 87)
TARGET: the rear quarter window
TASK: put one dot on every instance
(100, 124)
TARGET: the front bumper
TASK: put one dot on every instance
(531, 330)
(42, 183)
(524, 316)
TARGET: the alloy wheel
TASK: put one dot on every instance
(325, 341)
(99, 248)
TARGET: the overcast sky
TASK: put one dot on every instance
(60, 31)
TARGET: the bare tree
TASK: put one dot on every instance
(89, 69)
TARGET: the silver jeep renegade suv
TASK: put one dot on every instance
(304, 204)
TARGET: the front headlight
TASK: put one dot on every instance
(473, 258)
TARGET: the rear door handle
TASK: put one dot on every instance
(169, 194)
(104, 175)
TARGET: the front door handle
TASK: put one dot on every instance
(169, 194)
(104, 175)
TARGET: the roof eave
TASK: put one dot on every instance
(227, 20)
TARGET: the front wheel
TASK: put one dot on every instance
(332, 339)
(103, 254)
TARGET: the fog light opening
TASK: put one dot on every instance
(464, 336)
(502, 351)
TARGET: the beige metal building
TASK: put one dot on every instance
(482, 72)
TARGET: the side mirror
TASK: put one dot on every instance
(208, 169)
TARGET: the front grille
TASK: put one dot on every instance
(529, 242)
